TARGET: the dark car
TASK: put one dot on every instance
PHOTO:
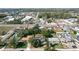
(74, 46)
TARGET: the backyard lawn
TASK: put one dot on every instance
(60, 46)
(4, 29)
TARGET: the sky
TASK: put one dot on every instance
(39, 3)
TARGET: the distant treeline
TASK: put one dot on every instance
(39, 9)
(59, 15)
(3, 15)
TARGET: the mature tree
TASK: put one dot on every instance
(3, 15)
(49, 20)
(36, 43)
(44, 14)
(74, 32)
(33, 31)
(46, 33)
(36, 30)
(21, 45)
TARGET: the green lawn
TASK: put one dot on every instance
(54, 35)
(6, 29)
(72, 33)
(60, 46)
(22, 45)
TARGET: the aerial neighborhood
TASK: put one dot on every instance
(47, 29)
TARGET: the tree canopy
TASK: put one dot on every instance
(57, 15)
(3, 15)
(47, 33)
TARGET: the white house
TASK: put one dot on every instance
(41, 22)
(53, 40)
(71, 20)
(9, 18)
(77, 28)
(26, 18)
